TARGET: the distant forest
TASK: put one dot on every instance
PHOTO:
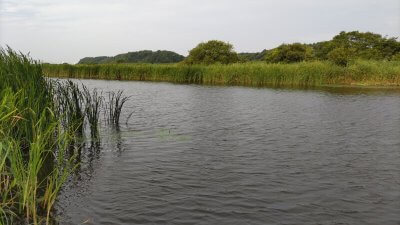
(145, 56)
(340, 49)
(345, 45)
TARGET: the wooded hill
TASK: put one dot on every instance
(145, 56)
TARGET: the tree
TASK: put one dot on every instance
(212, 52)
(363, 45)
(289, 53)
(367, 45)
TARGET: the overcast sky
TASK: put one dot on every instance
(66, 30)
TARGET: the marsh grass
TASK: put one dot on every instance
(40, 121)
(30, 134)
(83, 106)
(69, 102)
(314, 73)
(24, 175)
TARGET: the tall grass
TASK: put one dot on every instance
(39, 121)
(315, 73)
(32, 140)
(30, 169)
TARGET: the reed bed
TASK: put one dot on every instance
(32, 143)
(40, 120)
(315, 73)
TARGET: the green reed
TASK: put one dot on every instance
(24, 167)
(113, 107)
(69, 100)
(315, 73)
(29, 131)
(93, 104)
(40, 120)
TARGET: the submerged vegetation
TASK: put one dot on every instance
(40, 119)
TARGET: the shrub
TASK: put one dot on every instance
(212, 52)
(289, 53)
(396, 57)
(339, 56)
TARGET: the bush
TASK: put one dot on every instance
(339, 56)
(289, 53)
(212, 52)
(396, 57)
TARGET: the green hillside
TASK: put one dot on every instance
(145, 56)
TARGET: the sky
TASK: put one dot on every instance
(58, 31)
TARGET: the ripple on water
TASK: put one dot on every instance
(230, 155)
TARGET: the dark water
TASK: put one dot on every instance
(233, 155)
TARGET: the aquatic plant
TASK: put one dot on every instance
(70, 103)
(93, 104)
(113, 107)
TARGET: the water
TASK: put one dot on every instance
(232, 155)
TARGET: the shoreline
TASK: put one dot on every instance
(338, 89)
(360, 74)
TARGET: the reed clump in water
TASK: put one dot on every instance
(313, 73)
(69, 100)
(113, 107)
(83, 106)
(93, 103)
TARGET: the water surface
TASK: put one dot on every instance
(232, 155)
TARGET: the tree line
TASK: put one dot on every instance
(145, 56)
(342, 49)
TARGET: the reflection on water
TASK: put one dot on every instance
(232, 155)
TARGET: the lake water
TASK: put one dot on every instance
(194, 154)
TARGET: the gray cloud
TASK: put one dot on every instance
(64, 31)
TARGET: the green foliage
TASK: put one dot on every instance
(361, 45)
(145, 56)
(212, 52)
(396, 57)
(247, 57)
(289, 53)
(340, 56)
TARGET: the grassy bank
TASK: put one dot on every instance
(41, 123)
(33, 141)
(317, 73)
